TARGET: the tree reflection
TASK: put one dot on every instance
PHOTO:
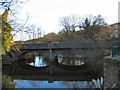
(62, 84)
(34, 83)
(19, 83)
(39, 61)
(98, 83)
(27, 83)
(72, 61)
(75, 84)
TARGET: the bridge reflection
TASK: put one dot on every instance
(52, 72)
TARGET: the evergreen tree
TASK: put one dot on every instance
(7, 39)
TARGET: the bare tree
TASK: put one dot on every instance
(19, 25)
(65, 23)
(69, 24)
(100, 20)
(39, 32)
(75, 21)
(13, 6)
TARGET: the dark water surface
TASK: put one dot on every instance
(41, 62)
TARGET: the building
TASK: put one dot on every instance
(115, 27)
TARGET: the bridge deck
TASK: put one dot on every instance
(86, 45)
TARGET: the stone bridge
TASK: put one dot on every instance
(88, 49)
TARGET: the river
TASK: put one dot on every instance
(41, 62)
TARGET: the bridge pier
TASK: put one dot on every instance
(50, 54)
(50, 79)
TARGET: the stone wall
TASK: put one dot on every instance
(111, 72)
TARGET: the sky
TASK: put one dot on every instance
(46, 13)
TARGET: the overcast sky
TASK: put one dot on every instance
(46, 13)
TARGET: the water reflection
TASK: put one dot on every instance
(40, 61)
(55, 84)
(59, 84)
(75, 84)
(26, 84)
(71, 61)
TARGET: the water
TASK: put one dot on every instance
(71, 60)
(41, 62)
(55, 84)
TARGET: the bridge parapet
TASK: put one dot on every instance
(66, 45)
